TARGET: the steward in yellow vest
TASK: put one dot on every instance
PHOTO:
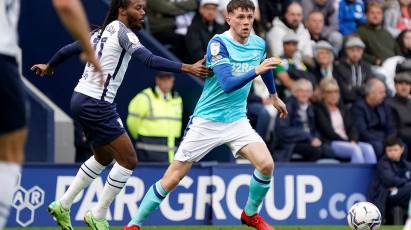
(154, 120)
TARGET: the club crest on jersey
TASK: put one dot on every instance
(215, 48)
(111, 29)
(216, 58)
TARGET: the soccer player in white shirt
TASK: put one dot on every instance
(13, 120)
(92, 106)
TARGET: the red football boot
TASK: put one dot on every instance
(255, 221)
(132, 227)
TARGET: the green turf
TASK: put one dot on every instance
(228, 228)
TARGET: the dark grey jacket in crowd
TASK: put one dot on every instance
(198, 35)
(370, 127)
(351, 79)
(401, 109)
(388, 174)
(162, 13)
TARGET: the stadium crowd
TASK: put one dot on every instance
(345, 71)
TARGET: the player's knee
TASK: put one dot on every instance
(170, 183)
(131, 162)
(266, 167)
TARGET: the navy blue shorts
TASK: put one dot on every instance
(99, 119)
(12, 96)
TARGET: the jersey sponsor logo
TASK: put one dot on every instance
(242, 67)
(215, 48)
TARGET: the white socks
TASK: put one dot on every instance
(116, 180)
(9, 173)
(88, 171)
(407, 225)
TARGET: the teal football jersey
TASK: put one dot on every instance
(214, 104)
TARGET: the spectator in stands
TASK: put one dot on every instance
(373, 117)
(329, 22)
(351, 71)
(401, 108)
(292, 67)
(391, 184)
(379, 43)
(336, 126)
(404, 42)
(260, 110)
(269, 10)
(397, 16)
(315, 25)
(154, 120)
(169, 20)
(289, 21)
(351, 14)
(298, 133)
(324, 61)
(202, 29)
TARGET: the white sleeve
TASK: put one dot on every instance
(128, 40)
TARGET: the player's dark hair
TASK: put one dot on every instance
(113, 12)
(243, 4)
(391, 141)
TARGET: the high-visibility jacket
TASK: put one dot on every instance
(151, 115)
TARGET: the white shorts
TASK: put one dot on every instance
(203, 135)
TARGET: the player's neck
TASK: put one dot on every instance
(237, 38)
(123, 20)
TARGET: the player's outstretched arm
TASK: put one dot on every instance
(156, 62)
(229, 83)
(197, 69)
(72, 15)
(59, 57)
(268, 79)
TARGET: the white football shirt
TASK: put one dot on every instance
(9, 17)
(113, 48)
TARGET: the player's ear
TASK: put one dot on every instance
(227, 19)
(122, 11)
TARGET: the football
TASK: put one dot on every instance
(364, 216)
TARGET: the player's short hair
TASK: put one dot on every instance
(391, 141)
(243, 4)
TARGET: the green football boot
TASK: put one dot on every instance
(60, 215)
(95, 224)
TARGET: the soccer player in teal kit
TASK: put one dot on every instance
(236, 58)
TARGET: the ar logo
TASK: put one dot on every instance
(26, 202)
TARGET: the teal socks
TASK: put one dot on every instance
(259, 186)
(151, 201)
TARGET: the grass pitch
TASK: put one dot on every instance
(228, 228)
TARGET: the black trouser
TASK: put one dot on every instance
(307, 151)
(401, 198)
